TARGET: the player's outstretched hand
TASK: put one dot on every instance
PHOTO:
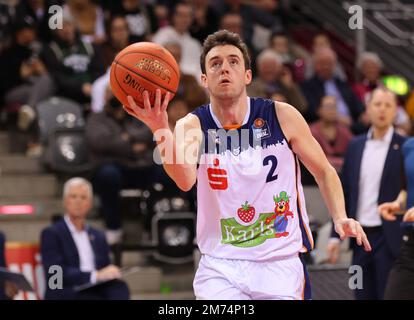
(155, 116)
(349, 228)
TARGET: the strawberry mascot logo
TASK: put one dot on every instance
(246, 212)
(282, 212)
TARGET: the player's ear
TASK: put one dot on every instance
(204, 80)
(248, 77)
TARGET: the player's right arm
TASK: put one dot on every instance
(178, 150)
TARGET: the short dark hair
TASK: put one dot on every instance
(222, 38)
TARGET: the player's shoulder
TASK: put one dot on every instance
(286, 112)
(189, 121)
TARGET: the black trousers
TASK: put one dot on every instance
(400, 284)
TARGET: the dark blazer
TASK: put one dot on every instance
(59, 248)
(314, 90)
(391, 183)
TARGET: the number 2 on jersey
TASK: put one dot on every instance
(271, 176)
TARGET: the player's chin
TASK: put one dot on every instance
(225, 92)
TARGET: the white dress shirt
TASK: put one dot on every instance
(372, 167)
(85, 251)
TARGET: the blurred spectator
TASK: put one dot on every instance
(206, 19)
(80, 250)
(370, 66)
(371, 176)
(24, 80)
(118, 39)
(232, 22)
(182, 19)
(273, 76)
(251, 15)
(141, 19)
(38, 11)
(177, 109)
(188, 87)
(122, 151)
(333, 136)
(324, 83)
(321, 41)
(73, 63)
(288, 51)
(7, 16)
(88, 18)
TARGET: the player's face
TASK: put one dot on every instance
(382, 109)
(226, 75)
(78, 201)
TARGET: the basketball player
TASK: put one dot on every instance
(251, 221)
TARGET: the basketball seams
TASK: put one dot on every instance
(154, 55)
(140, 75)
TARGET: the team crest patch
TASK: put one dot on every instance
(260, 129)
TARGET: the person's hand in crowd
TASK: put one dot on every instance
(26, 70)
(108, 273)
(286, 77)
(87, 89)
(388, 210)
(10, 289)
(38, 67)
(139, 147)
(409, 215)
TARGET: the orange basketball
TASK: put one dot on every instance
(143, 66)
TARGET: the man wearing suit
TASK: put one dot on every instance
(371, 176)
(80, 250)
(325, 83)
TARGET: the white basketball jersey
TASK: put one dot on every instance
(249, 196)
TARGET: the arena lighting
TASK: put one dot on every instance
(19, 209)
(173, 231)
(397, 84)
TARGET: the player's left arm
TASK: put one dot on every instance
(309, 151)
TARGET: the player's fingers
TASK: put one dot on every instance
(133, 109)
(365, 242)
(353, 227)
(340, 230)
(359, 234)
(146, 100)
(157, 103)
(165, 102)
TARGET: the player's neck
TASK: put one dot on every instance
(230, 111)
